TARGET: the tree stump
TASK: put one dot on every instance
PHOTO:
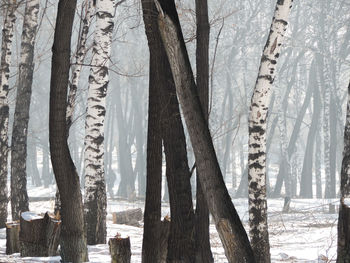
(39, 235)
(12, 237)
(120, 250)
(128, 217)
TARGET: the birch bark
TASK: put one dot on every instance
(19, 196)
(95, 188)
(257, 133)
(79, 60)
(6, 44)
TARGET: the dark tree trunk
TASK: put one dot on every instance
(344, 209)
(73, 239)
(12, 238)
(19, 196)
(203, 251)
(181, 245)
(228, 224)
(151, 244)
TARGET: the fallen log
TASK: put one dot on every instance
(39, 235)
(120, 250)
(128, 217)
(12, 237)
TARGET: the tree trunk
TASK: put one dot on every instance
(19, 196)
(306, 174)
(229, 226)
(257, 133)
(73, 239)
(6, 44)
(203, 251)
(95, 201)
(87, 13)
(344, 209)
(151, 244)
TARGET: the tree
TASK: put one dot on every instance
(203, 252)
(151, 246)
(73, 240)
(228, 224)
(19, 196)
(344, 208)
(181, 245)
(6, 44)
(95, 202)
(257, 133)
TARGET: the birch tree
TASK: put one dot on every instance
(95, 201)
(19, 196)
(257, 133)
(6, 44)
(87, 10)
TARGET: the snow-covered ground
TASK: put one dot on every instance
(307, 234)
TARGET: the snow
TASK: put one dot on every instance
(307, 234)
(28, 216)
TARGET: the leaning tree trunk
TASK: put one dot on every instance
(95, 201)
(73, 240)
(228, 224)
(203, 252)
(19, 196)
(6, 44)
(344, 208)
(257, 133)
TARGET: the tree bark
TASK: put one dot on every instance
(12, 237)
(229, 226)
(73, 239)
(257, 133)
(6, 45)
(151, 243)
(19, 196)
(120, 250)
(95, 201)
(202, 244)
(344, 209)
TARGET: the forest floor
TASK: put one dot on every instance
(307, 234)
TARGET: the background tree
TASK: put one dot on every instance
(19, 196)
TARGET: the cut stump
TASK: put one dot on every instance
(12, 237)
(163, 238)
(39, 235)
(128, 217)
(120, 250)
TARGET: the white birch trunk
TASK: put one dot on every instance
(79, 60)
(95, 188)
(6, 44)
(19, 196)
(257, 133)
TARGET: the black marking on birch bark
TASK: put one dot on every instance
(267, 77)
(282, 21)
(99, 140)
(280, 2)
(255, 156)
(256, 166)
